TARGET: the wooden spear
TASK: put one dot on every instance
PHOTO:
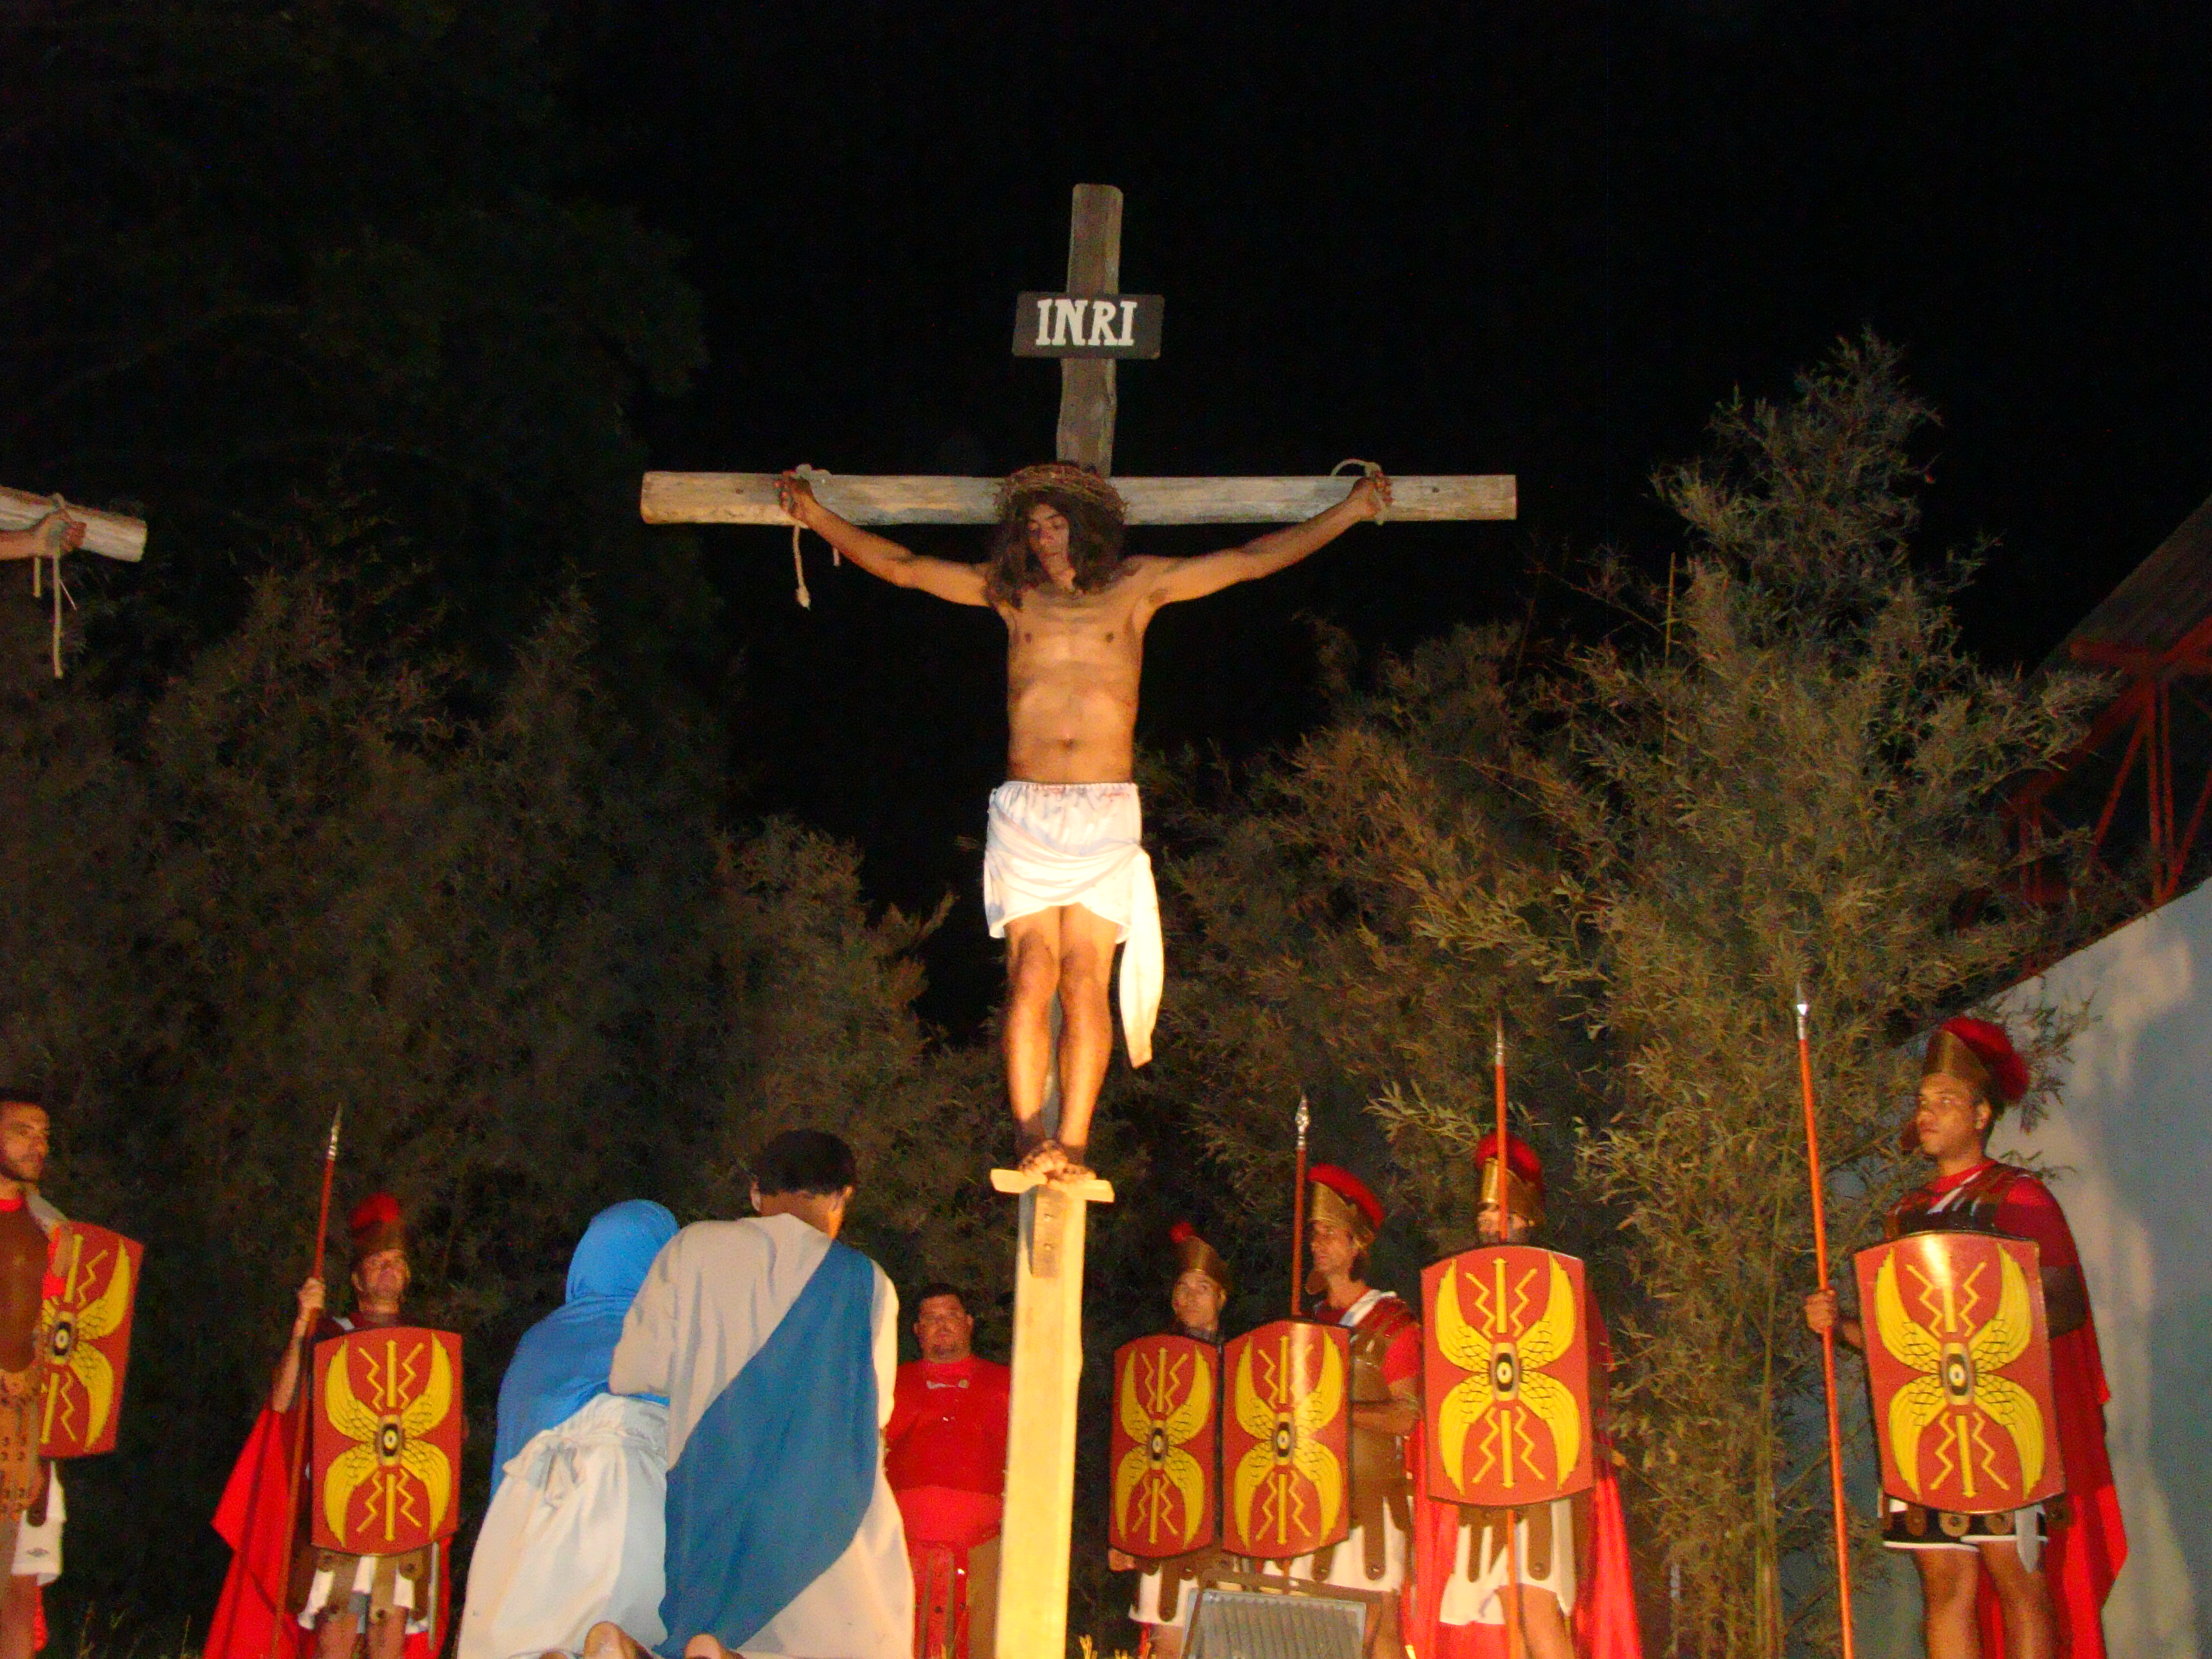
(1828, 1336)
(300, 1395)
(1297, 1224)
(1513, 1637)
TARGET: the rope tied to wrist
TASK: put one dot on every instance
(1373, 469)
(812, 474)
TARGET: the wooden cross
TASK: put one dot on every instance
(109, 534)
(1086, 436)
(1047, 1353)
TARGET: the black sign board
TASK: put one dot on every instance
(1088, 325)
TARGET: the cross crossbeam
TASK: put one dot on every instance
(750, 498)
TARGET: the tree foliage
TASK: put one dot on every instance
(519, 955)
(1784, 770)
(255, 247)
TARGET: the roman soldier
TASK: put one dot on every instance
(1571, 1557)
(30, 1493)
(2035, 1576)
(1343, 1218)
(1202, 1287)
(329, 1594)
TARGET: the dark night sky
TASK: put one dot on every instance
(1543, 239)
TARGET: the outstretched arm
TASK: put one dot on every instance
(1263, 556)
(963, 584)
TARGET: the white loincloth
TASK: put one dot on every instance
(1468, 1600)
(1052, 844)
(574, 1534)
(38, 1549)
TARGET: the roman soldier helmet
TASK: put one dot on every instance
(1335, 1194)
(1980, 1055)
(1522, 1174)
(1194, 1255)
(376, 1226)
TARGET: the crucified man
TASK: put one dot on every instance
(1065, 876)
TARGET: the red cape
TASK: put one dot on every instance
(2087, 1544)
(249, 1622)
(1604, 1615)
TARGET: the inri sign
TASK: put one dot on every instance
(1088, 325)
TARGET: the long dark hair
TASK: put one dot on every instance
(1094, 544)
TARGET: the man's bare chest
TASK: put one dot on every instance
(1049, 631)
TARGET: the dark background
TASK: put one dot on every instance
(1536, 239)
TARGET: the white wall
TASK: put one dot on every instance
(2131, 1141)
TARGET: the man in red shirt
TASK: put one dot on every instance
(2032, 1583)
(945, 1457)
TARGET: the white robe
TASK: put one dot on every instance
(574, 1535)
(714, 1295)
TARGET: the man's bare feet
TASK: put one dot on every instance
(605, 1640)
(1072, 1170)
(1047, 1158)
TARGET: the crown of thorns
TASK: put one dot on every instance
(1062, 477)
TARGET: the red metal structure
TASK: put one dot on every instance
(2140, 781)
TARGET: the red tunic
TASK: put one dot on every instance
(2087, 1542)
(945, 1450)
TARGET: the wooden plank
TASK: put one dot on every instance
(1087, 395)
(108, 534)
(750, 498)
(1040, 1420)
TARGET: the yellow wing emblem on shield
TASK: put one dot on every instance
(1999, 1342)
(1142, 1418)
(1920, 1402)
(96, 1320)
(1283, 1423)
(1471, 1348)
(362, 1424)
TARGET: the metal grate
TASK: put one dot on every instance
(1253, 1625)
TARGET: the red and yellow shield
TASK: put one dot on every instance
(84, 1335)
(1959, 1357)
(1165, 1444)
(387, 1440)
(1284, 1439)
(1505, 1370)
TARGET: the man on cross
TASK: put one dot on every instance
(1065, 876)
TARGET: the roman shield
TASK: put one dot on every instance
(387, 1440)
(84, 1336)
(1959, 1358)
(1166, 1446)
(1505, 1369)
(1284, 1439)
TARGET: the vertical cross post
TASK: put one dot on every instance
(1040, 1511)
(1086, 384)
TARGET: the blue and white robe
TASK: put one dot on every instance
(777, 1349)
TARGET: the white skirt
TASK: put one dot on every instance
(577, 1532)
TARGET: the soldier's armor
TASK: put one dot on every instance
(1969, 1207)
(1380, 1485)
(22, 1295)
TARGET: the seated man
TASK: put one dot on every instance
(580, 1476)
(945, 1457)
(776, 1348)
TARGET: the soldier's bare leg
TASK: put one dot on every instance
(387, 1635)
(1544, 1626)
(19, 1616)
(2030, 1626)
(334, 1636)
(1949, 1580)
